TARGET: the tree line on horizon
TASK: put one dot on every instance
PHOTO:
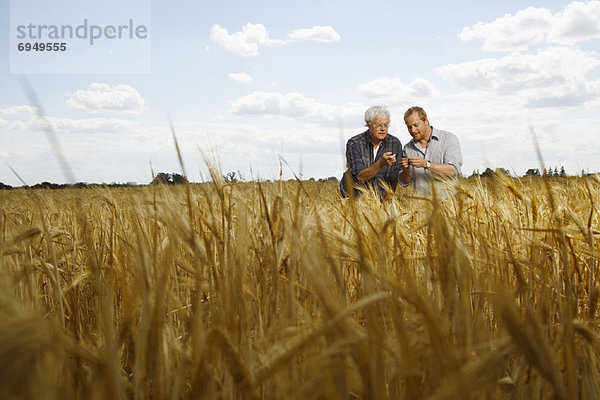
(172, 178)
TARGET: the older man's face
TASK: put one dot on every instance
(378, 129)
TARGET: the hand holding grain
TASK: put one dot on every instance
(417, 162)
(389, 158)
(404, 163)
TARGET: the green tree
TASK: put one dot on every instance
(169, 179)
(532, 172)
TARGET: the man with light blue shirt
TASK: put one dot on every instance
(431, 158)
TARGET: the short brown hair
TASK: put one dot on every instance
(418, 110)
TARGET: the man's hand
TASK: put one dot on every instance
(368, 173)
(404, 163)
(388, 158)
(417, 162)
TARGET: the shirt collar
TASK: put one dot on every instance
(433, 134)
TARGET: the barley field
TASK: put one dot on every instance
(282, 290)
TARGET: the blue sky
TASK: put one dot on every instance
(248, 83)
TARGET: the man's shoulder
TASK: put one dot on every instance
(410, 143)
(392, 139)
(361, 137)
(441, 133)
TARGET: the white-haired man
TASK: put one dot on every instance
(371, 155)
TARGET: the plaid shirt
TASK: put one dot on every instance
(359, 155)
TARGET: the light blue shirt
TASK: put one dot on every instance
(443, 148)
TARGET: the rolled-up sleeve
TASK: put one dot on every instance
(453, 155)
(354, 157)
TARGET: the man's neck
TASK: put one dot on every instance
(425, 142)
(375, 142)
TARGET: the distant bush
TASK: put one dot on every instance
(169, 179)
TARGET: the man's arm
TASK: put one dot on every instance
(369, 173)
(436, 168)
(404, 176)
(453, 155)
(366, 174)
(442, 169)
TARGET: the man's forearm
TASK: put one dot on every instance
(443, 169)
(404, 176)
(369, 173)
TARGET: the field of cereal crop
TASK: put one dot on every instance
(273, 290)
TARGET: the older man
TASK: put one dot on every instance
(371, 155)
(431, 158)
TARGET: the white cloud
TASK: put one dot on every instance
(511, 32)
(88, 125)
(323, 34)
(577, 22)
(554, 76)
(289, 104)
(244, 43)
(104, 97)
(295, 105)
(19, 125)
(395, 91)
(240, 77)
(18, 110)
(15, 125)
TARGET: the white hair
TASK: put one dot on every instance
(376, 112)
